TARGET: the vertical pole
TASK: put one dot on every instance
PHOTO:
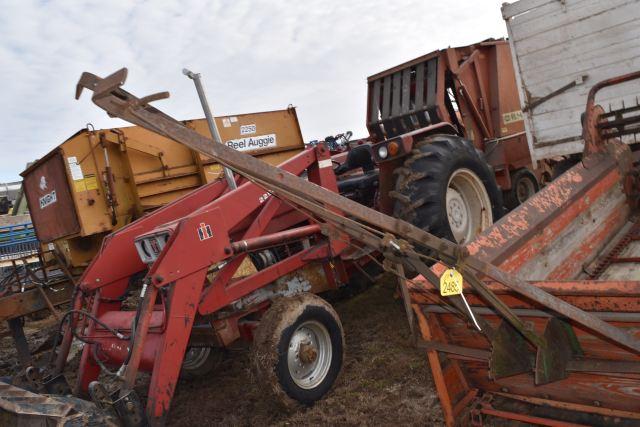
(65, 345)
(228, 173)
(24, 355)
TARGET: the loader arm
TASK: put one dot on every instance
(117, 102)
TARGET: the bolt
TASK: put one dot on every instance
(158, 279)
(130, 406)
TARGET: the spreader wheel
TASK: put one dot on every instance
(523, 185)
(298, 349)
(200, 361)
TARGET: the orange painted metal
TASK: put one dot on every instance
(470, 88)
(577, 239)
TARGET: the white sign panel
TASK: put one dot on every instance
(48, 199)
(75, 168)
(251, 143)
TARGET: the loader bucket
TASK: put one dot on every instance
(579, 240)
(20, 407)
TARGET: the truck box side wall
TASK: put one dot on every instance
(148, 171)
(555, 43)
(50, 202)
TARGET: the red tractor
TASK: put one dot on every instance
(221, 266)
(447, 140)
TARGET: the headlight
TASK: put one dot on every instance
(149, 247)
(383, 152)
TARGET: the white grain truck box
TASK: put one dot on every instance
(560, 49)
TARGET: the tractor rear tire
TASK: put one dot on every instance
(298, 349)
(446, 188)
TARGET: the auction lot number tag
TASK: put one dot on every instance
(450, 283)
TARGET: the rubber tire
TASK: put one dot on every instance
(270, 345)
(421, 183)
(213, 360)
(511, 196)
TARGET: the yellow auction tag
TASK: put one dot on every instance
(450, 283)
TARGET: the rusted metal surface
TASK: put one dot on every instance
(597, 127)
(20, 407)
(50, 203)
(31, 299)
(181, 280)
(109, 96)
(582, 226)
(471, 89)
(274, 239)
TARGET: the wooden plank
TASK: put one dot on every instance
(420, 77)
(432, 79)
(406, 88)
(396, 90)
(386, 97)
(374, 108)
(509, 10)
(574, 49)
(556, 42)
(31, 301)
(586, 13)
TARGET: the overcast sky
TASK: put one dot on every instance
(254, 56)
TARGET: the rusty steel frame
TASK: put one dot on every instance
(533, 240)
(30, 294)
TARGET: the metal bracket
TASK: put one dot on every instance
(510, 354)
(537, 101)
(552, 360)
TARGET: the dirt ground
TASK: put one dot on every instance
(384, 380)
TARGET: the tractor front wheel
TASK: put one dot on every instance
(298, 349)
(200, 361)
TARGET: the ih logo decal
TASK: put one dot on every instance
(204, 231)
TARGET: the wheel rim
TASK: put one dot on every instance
(309, 354)
(195, 357)
(468, 205)
(525, 188)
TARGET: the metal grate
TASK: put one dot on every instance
(404, 100)
(17, 241)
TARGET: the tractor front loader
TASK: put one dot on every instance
(168, 291)
(210, 264)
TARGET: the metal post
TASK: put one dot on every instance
(228, 173)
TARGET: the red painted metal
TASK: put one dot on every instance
(413, 100)
(196, 274)
(177, 290)
(274, 239)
